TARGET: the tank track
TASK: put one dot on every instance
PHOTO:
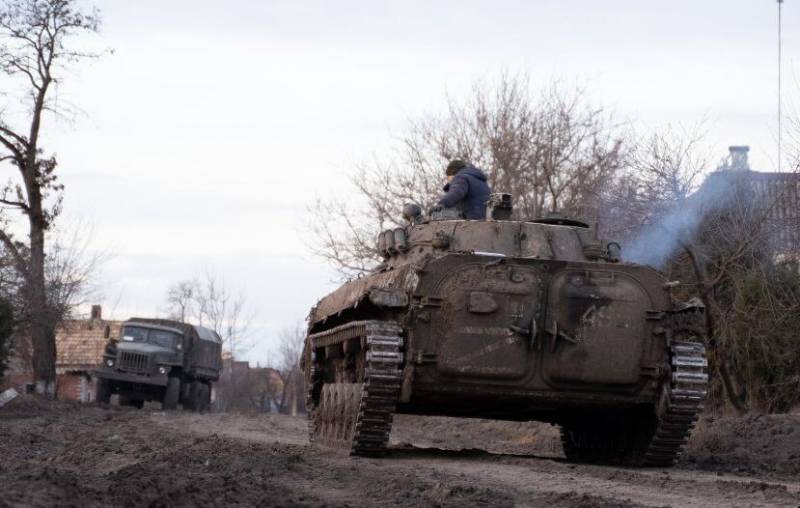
(659, 445)
(357, 417)
(687, 393)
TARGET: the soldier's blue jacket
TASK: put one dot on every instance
(468, 191)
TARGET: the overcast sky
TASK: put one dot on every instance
(213, 124)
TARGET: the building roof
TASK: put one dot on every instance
(80, 343)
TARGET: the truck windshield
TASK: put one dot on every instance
(159, 337)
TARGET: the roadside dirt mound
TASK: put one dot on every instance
(747, 444)
(66, 454)
(24, 406)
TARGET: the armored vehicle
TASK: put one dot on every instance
(162, 360)
(507, 319)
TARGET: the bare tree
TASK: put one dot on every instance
(6, 330)
(639, 207)
(72, 265)
(554, 151)
(180, 300)
(718, 239)
(744, 264)
(758, 325)
(290, 349)
(223, 310)
(35, 48)
(738, 243)
(209, 301)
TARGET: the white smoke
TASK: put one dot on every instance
(661, 239)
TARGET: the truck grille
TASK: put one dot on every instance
(132, 362)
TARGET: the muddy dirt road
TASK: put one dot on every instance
(71, 455)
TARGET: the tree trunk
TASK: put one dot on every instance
(734, 396)
(41, 328)
(35, 31)
(293, 401)
(737, 398)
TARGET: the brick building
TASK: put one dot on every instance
(79, 346)
(79, 350)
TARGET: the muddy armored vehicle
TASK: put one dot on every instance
(162, 360)
(508, 319)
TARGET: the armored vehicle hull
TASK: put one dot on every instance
(508, 320)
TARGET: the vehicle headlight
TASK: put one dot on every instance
(162, 370)
(110, 362)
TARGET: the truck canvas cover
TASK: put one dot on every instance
(203, 347)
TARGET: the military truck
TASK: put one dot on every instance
(162, 360)
(513, 320)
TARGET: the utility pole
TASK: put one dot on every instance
(780, 132)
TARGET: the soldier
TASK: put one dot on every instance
(466, 189)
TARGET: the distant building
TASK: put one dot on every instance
(79, 350)
(776, 200)
(779, 194)
(249, 389)
(79, 346)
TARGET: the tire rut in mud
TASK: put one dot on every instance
(65, 454)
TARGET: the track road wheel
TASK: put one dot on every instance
(103, 391)
(171, 394)
(356, 416)
(335, 418)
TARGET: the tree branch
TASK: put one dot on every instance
(20, 261)
(16, 204)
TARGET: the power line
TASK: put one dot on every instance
(780, 132)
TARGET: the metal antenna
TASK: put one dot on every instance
(780, 132)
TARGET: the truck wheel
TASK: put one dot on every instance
(103, 391)
(171, 394)
(204, 397)
(189, 397)
(194, 402)
(207, 400)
